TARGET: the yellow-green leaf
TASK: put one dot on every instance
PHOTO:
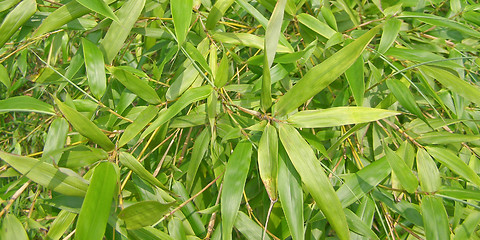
(140, 122)
(95, 68)
(136, 85)
(15, 19)
(142, 214)
(182, 14)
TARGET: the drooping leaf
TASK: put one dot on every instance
(25, 104)
(15, 19)
(61, 223)
(401, 170)
(142, 214)
(247, 40)
(129, 161)
(12, 228)
(338, 116)
(390, 32)
(218, 9)
(140, 122)
(95, 68)
(100, 7)
(320, 76)
(182, 14)
(136, 85)
(4, 78)
(248, 227)
(234, 181)
(435, 218)
(47, 175)
(95, 210)
(314, 178)
(200, 147)
(356, 81)
(316, 25)
(427, 172)
(56, 139)
(268, 160)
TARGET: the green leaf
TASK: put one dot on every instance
(182, 14)
(99, 6)
(95, 210)
(247, 40)
(268, 160)
(196, 55)
(314, 178)
(291, 195)
(56, 139)
(460, 193)
(402, 171)
(454, 83)
(4, 78)
(390, 32)
(64, 182)
(142, 214)
(404, 97)
(273, 32)
(357, 225)
(61, 16)
(248, 227)
(217, 11)
(221, 78)
(454, 163)
(434, 218)
(136, 85)
(338, 116)
(236, 172)
(446, 138)
(12, 228)
(441, 22)
(129, 161)
(176, 229)
(189, 209)
(427, 172)
(7, 4)
(120, 29)
(320, 76)
(95, 68)
(140, 122)
(190, 96)
(61, 223)
(467, 229)
(355, 81)
(84, 126)
(80, 156)
(15, 19)
(200, 147)
(360, 183)
(316, 25)
(25, 104)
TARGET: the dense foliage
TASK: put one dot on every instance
(239, 119)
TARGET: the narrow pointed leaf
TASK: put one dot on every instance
(268, 160)
(357, 225)
(247, 40)
(120, 29)
(314, 178)
(95, 210)
(129, 161)
(446, 138)
(142, 214)
(291, 195)
(320, 76)
(136, 85)
(61, 16)
(338, 116)
(316, 25)
(61, 223)
(402, 171)
(427, 172)
(442, 22)
(454, 163)
(95, 68)
(99, 6)
(140, 122)
(84, 126)
(15, 19)
(12, 228)
(248, 227)
(221, 78)
(200, 147)
(404, 97)
(4, 78)
(435, 218)
(390, 32)
(47, 175)
(236, 172)
(355, 81)
(218, 9)
(56, 139)
(182, 14)
(25, 104)
(467, 228)
(190, 96)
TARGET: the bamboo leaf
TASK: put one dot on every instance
(446, 138)
(427, 172)
(467, 228)
(314, 178)
(182, 14)
(61, 16)
(95, 68)
(316, 25)
(142, 214)
(95, 210)
(221, 78)
(236, 172)
(129, 161)
(402, 171)
(338, 116)
(140, 122)
(390, 32)
(12, 228)
(454, 163)
(99, 7)
(248, 227)
(47, 175)
(247, 40)
(435, 218)
(80, 156)
(200, 147)
(268, 160)
(25, 104)
(355, 81)
(84, 126)
(4, 78)
(56, 139)
(15, 19)
(322, 75)
(61, 223)
(137, 86)
(291, 195)
(218, 9)
(404, 97)
(190, 96)
(357, 225)
(120, 28)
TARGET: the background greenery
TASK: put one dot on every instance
(200, 119)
